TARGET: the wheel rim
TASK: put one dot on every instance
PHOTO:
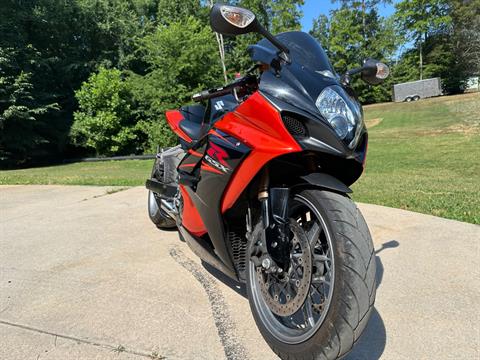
(310, 316)
(152, 204)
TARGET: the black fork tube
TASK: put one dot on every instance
(263, 197)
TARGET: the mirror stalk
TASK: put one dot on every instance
(346, 78)
(373, 72)
(283, 54)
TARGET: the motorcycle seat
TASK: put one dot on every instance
(197, 119)
(192, 120)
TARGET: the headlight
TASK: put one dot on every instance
(342, 113)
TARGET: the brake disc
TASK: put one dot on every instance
(286, 292)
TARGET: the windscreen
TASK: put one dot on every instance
(304, 50)
(300, 81)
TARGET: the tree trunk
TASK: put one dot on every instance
(364, 21)
(421, 59)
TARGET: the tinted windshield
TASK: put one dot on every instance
(304, 50)
(299, 82)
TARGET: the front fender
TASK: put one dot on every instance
(326, 181)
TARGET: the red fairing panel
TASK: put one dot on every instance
(258, 125)
(173, 118)
(191, 219)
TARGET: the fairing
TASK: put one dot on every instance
(295, 86)
(300, 81)
(212, 162)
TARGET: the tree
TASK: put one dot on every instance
(364, 5)
(285, 15)
(348, 47)
(104, 121)
(276, 15)
(182, 59)
(58, 44)
(22, 119)
(321, 31)
(170, 11)
(419, 19)
(466, 35)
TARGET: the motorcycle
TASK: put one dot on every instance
(258, 187)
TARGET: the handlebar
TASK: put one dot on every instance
(224, 90)
(211, 93)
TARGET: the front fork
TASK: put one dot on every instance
(271, 248)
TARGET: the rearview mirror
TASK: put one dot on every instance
(232, 20)
(374, 72)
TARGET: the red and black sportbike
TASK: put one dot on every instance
(258, 188)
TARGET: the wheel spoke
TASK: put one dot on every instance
(320, 280)
(308, 313)
(303, 218)
(282, 288)
(313, 234)
(320, 257)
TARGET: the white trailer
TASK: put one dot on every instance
(416, 90)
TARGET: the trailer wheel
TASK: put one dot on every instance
(416, 98)
(408, 99)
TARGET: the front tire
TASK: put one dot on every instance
(157, 215)
(349, 268)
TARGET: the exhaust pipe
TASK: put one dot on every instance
(169, 208)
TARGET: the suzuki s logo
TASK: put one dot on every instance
(216, 156)
(219, 105)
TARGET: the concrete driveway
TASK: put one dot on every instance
(85, 275)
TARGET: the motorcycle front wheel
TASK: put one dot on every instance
(157, 215)
(319, 307)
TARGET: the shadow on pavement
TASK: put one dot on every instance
(239, 288)
(372, 343)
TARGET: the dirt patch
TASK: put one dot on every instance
(373, 122)
(468, 129)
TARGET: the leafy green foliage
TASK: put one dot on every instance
(276, 15)
(348, 46)
(164, 51)
(417, 20)
(105, 120)
(177, 11)
(446, 34)
(22, 115)
(181, 60)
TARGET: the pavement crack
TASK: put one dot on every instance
(102, 345)
(233, 349)
(108, 192)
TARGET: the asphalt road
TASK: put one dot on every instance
(85, 275)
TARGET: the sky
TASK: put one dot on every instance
(313, 8)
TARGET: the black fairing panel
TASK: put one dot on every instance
(294, 88)
(300, 81)
(321, 137)
(222, 156)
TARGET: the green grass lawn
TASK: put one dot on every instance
(114, 173)
(425, 157)
(422, 156)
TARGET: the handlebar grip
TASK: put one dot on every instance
(200, 96)
(208, 94)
